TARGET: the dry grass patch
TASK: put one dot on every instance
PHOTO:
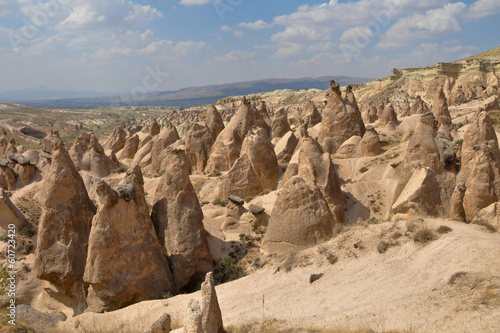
(485, 224)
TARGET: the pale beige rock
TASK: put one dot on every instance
(405, 109)
(214, 121)
(211, 321)
(88, 155)
(457, 211)
(178, 221)
(116, 140)
(353, 110)
(7, 176)
(232, 216)
(348, 148)
(300, 219)
(125, 262)
(167, 136)
(369, 144)
(280, 126)
(130, 148)
(419, 107)
(193, 318)
(141, 154)
(421, 194)
(285, 148)
(479, 131)
(64, 227)
(199, 142)
(154, 128)
(490, 214)
(491, 104)
(388, 115)
(310, 114)
(440, 110)
(12, 218)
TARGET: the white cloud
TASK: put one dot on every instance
(239, 34)
(257, 25)
(196, 2)
(234, 56)
(431, 53)
(483, 8)
(225, 28)
(434, 23)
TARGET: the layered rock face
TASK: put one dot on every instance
(178, 221)
(227, 146)
(301, 218)
(473, 85)
(280, 126)
(339, 123)
(199, 142)
(88, 155)
(125, 262)
(64, 227)
(213, 120)
(7, 146)
(255, 171)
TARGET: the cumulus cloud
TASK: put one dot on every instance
(234, 56)
(257, 25)
(483, 8)
(195, 2)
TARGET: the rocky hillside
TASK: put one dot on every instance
(370, 207)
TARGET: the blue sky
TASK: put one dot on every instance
(122, 45)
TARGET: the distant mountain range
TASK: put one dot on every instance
(194, 96)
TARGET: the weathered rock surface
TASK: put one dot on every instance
(199, 142)
(419, 106)
(125, 262)
(214, 121)
(166, 137)
(479, 131)
(440, 110)
(130, 148)
(285, 148)
(64, 227)
(280, 126)
(178, 221)
(116, 140)
(211, 320)
(10, 214)
(369, 144)
(388, 115)
(310, 114)
(300, 218)
(88, 155)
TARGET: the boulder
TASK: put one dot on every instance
(178, 221)
(457, 211)
(122, 234)
(63, 230)
(300, 218)
(490, 214)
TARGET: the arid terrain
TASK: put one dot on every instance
(366, 208)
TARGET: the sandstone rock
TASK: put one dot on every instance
(100, 164)
(227, 146)
(280, 124)
(349, 147)
(491, 104)
(405, 109)
(317, 169)
(162, 325)
(370, 115)
(490, 214)
(388, 115)
(167, 136)
(369, 144)
(311, 115)
(421, 194)
(338, 123)
(64, 227)
(116, 140)
(211, 320)
(457, 211)
(141, 154)
(154, 127)
(440, 109)
(285, 148)
(88, 155)
(24, 174)
(122, 234)
(353, 110)
(38, 321)
(7, 146)
(255, 171)
(178, 221)
(199, 142)
(419, 107)
(479, 131)
(232, 216)
(300, 219)
(236, 199)
(19, 159)
(214, 121)
(255, 209)
(130, 148)
(10, 214)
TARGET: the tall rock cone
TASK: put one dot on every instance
(178, 221)
(116, 140)
(255, 171)
(316, 168)
(63, 231)
(125, 262)
(300, 218)
(280, 126)
(154, 127)
(419, 107)
(88, 155)
(353, 110)
(479, 131)
(388, 115)
(227, 146)
(369, 144)
(213, 119)
(167, 136)
(130, 148)
(440, 109)
(199, 142)
(311, 115)
(338, 123)
(211, 320)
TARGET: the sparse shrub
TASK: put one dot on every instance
(266, 191)
(166, 295)
(456, 276)
(26, 268)
(24, 246)
(247, 199)
(396, 235)
(4, 237)
(215, 173)
(203, 203)
(227, 269)
(363, 170)
(121, 169)
(290, 261)
(485, 224)
(425, 235)
(443, 229)
(383, 246)
(372, 220)
(332, 259)
(219, 202)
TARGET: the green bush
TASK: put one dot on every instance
(227, 269)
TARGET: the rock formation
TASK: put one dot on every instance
(419, 107)
(457, 211)
(479, 131)
(116, 140)
(211, 320)
(353, 110)
(87, 154)
(338, 123)
(440, 110)
(255, 171)
(130, 148)
(369, 144)
(178, 221)
(285, 147)
(214, 121)
(199, 142)
(405, 109)
(154, 127)
(310, 115)
(166, 137)
(280, 124)
(300, 219)
(388, 115)
(125, 262)
(64, 227)
(10, 214)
